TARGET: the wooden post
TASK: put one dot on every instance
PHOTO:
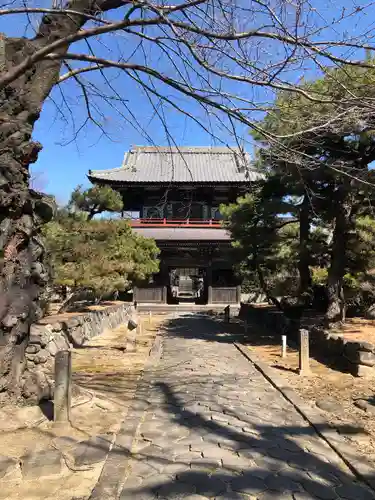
(304, 359)
(63, 382)
(238, 294)
(209, 283)
(227, 314)
(283, 346)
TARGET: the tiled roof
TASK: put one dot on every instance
(183, 234)
(144, 164)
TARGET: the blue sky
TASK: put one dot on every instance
(64, 161)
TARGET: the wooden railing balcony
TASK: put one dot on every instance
(208, 223)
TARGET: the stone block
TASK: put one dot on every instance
(39, 334)
(364, 371)
(365, 405)
(57, 327)
(32, 349)
(351, 351)
(7, 464)
(366, 346)
(366, 358)
(42, 463)
(76, 336)
(9, 321)
(357, 356)
(92, 451)
(42, 356)
(61, 342)
(52, 348)
(36, 385)
(73, 322)
(335, 344)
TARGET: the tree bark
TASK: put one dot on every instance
(304, 253)
(264, 288)
(23, 266)
(336, 301)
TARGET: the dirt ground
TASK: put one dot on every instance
(105, 376)
(328, 384)
(359, 329)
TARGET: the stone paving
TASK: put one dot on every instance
(215, 428)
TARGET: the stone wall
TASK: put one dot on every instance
(358, 357)
(46, 338)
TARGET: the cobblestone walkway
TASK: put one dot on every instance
(215, 428)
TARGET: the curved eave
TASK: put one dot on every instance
(122, 184)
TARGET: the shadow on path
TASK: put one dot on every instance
(215, 428)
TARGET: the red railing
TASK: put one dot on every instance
(176, 222)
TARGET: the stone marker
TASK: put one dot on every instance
(63, 379)
(283, 346)
(304, 358)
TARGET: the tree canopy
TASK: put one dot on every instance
(95, 200)
(99, 255)
(323, 179)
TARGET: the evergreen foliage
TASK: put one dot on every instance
(318, 171)
(102, 256)
(95, 200)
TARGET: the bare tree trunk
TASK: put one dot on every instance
(24, 272)
(336, 301)
(264, 288)
(304, 254)
(23, 267)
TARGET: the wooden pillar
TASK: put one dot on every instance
(209, 283)
(238, 294)
(164, 277)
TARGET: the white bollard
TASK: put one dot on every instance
(283, 346)
(149, 317)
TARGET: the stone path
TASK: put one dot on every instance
(215, 428)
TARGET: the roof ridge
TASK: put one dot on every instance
(186, 149)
